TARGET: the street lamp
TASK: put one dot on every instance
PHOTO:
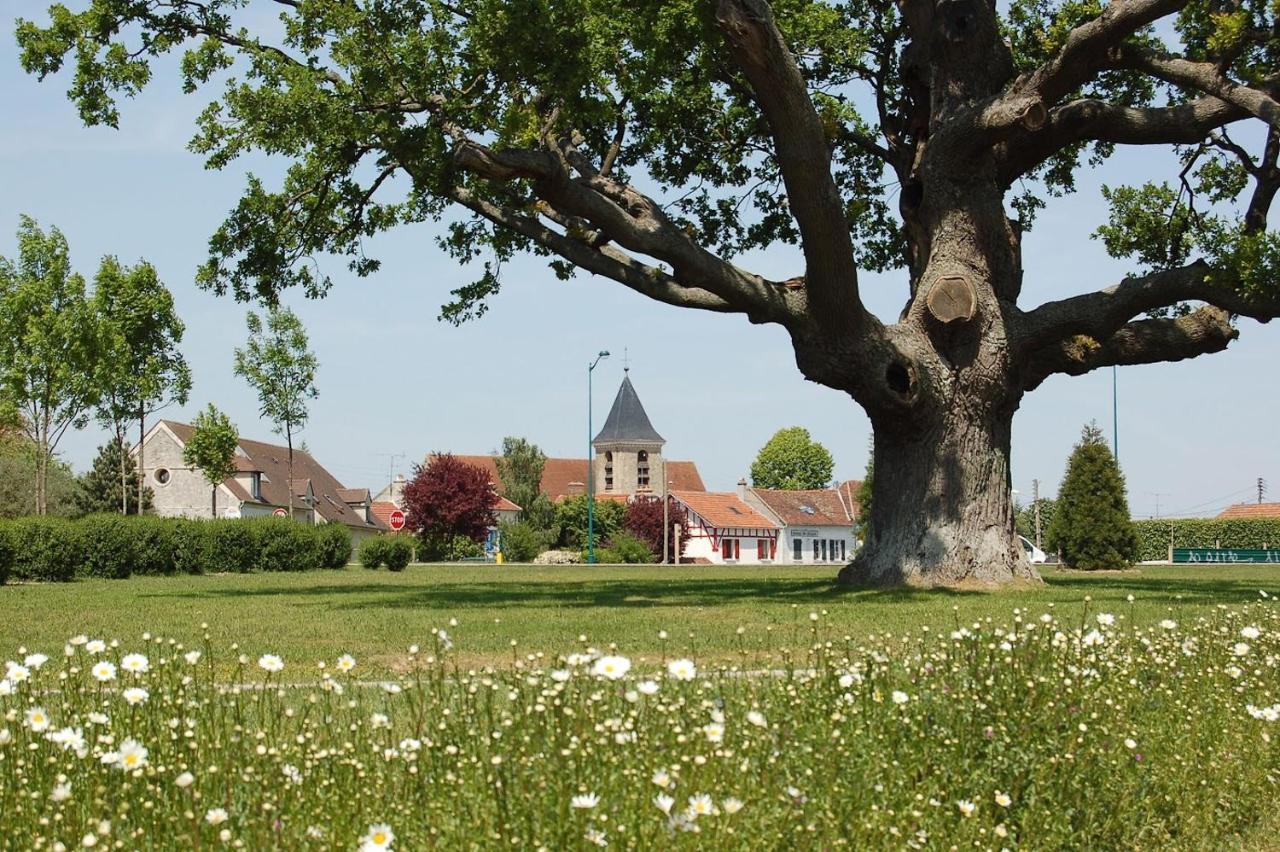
(591, 485)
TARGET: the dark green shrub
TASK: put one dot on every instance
(233, 548)
(107, 542)
(154, 550)
(335, 545)
(6, 553)
(192, 543)
(605, 556)
(521, 542)
(45, 549)
(373, 552)
(631, 548)
(286, 545)
(398, 552)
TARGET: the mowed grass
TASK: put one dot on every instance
(377, 615)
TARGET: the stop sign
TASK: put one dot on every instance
(396, 520)
(281, 513)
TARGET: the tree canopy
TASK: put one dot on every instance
(1091, 523)
(792, 461)
(98, 491)
(655, 144)
(448, 499)
(212, 449)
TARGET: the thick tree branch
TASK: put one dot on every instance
(1085, 51)
(804, 157)
(1098, 315)
(1088, 119)
(634, 222)
(607, 261)
(1204, 77)
(1150, 341)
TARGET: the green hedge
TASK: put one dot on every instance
(1255, 533)
(115, 547)
(393, 551)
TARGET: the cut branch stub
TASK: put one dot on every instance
(952, 299)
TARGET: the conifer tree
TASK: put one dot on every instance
(99, 489)
(1091, 525)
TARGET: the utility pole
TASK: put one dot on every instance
(1262, 488)
(1035, 492)
(1158, 495)
(665, 500)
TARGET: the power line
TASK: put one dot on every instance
(1214, 502)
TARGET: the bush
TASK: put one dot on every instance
(232, 547)
(154, 551)
(108, 544)
(631, 548)
(6, 554)
(571, 515)
(605, 556)
(398, 552)
(335, 545)
(1246, 533)
(45, 549)
(521, 542)
(286, 545)
(192, 543)
(373, 552)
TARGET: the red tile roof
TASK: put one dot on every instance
(502, 504)
(382, 510)
(724, 511)
(559, 474)
(807, 508)
(272, 461)
(1251, 510)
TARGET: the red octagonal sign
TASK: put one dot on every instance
(396, 520)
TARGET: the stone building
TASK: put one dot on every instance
(260, 486)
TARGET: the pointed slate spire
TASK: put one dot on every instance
(627, 421)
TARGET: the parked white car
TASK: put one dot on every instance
(1035, 555)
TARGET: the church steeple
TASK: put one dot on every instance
(627, 422)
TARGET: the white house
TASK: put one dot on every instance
(723, 529)
(259, 486)
(814, 526)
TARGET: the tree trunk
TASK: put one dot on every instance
(288, 437)
(124, 471)
(942, 512)
(142, 458)
(214, 502)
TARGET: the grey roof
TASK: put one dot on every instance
(627, 421)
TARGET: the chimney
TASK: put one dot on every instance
(742, 489)
(576, 488)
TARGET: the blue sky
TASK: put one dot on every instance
(393, 380)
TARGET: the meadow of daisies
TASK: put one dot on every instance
(1056, 727)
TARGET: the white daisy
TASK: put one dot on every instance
(95, 646)
(185, 780)
(16, 672)
(900, 697)
(345, 663)
(35, 661)
(1003, 799)
(379, 836)
(682, 669)
(755, 717)
(37, 719)
(648, 687)
(60, 792)
(135, 695)
(216, 816)
(731, 805)
(701, 805)
(966, 807)
(1249, 632)
(103, 671)
(584, 801)
(662, 778)
(612, 667)
(664, 803)
(270, 663)
(192, 657)
(135, 663)
(133, 755)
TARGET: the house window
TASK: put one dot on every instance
(762, 549)
(608, 483)
(161, 476)
(731, 548)
(815, 550)
(797, 550)
(642, 469)
(842, 556)
(824, 549)
(257, 486)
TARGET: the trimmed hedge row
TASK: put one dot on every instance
(1253, 533)
(115, 547)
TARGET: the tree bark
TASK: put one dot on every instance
(124, 471)
(142, 458)
(943, 507)
(288, 437)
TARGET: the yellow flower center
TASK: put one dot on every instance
(379, 838)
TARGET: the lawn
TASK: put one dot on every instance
(377, 615)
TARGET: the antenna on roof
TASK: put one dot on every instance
(626, 363)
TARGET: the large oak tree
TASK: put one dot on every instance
(650, 143)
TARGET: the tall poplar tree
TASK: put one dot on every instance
(142, 370)
(50, 344)
(280, 367)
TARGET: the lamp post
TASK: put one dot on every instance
(591, 485)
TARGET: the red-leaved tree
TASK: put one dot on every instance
(448, 499)
(643, 519)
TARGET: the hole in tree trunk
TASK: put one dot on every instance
(898, 378)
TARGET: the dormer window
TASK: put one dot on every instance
(257, 485)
